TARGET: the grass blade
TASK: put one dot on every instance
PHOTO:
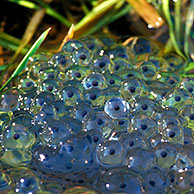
(24, 61)
(48, 9)
(178, 20)
(166, 11)
(188, 26)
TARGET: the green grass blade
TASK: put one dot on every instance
(54, 13)
(188, 26)
(24, 61)
(48, 9)
(95, 13)
(189, 67)
(108, 19)
(166, 11)
(178, 20)
(24, 3)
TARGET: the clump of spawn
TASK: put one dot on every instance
(99, 117)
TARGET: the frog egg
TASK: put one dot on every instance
(99, 121)
(174, 134)
(81, 110)
(155, 140)
(17, 157)
(133, 140)
(70, 95)
(5, 117)
(9, 100)
(73, 124)
(145, 106)
(187, 113)
(158, 89)
(121, 125)
(95, 137)
(133, 87)
(17, 136)
(188, 84)
(112, 80)
(41, 99)
(75, 153)
(174, 61)
(110, 153)
(107, 41)
(166, 154)
(148, 71)
(27, 184)
(117, 108)
(61, 60)
(185, 158)
(129, 73)
(183, 181)
(50, 73)
(75, 84)
(120, 180)
(77, 72)
(171, 79)
(144, 124)
(120, 64)
(25, 83)
(36, 69)
(93, 44)
(81, 56)
(117, 51)
(60, 109)
(51, 85)
(95, 97)
(54, 132)
(155, 181)
(5, 182)
(140, 160)
(46, 113)
(177, 98)
(101, 64)
(112, 92)
(167, 120)
(72, 45)
(94, 80)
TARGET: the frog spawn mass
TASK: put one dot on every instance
(98, 117)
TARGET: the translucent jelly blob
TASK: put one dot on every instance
(9, 100)
(148, 71)
(72, 45)
(188, 84)
(120, 180)
(145, 106)
(133, 140)
(95, 97)
(61, 60)
(177, 98)
(173, 133)
(70, 95)
(117, 51)
(117, 108)
(187, 113)
(101, 64)
(82, 56)
(156, 181)
(94, 80)
(112, 80)
(119, 65)
(55, 132)
(133, 87)
(16, 135)
(80, 190)
(99, 121)
(110, 153)
(51, 72)
(166, 154)
(5, 182)
(145, 125)
(82, 110)
(140, 160)
(77, 72)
